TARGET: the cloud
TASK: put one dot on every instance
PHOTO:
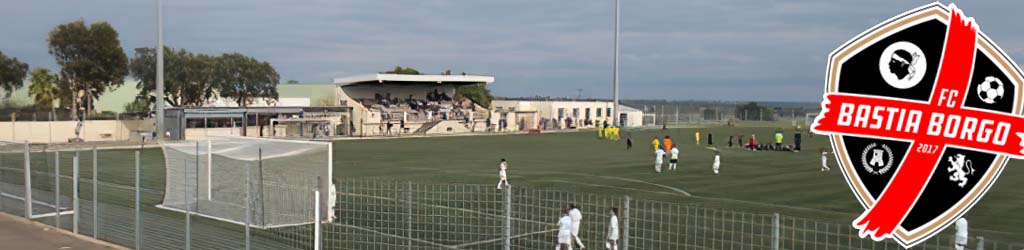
(704, 49)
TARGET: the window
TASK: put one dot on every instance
(609, 112)
(586, 113)
(576, 112)
(561, 113)
(598, 112)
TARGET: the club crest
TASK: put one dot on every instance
(923, 111)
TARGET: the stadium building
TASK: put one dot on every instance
(550, 114)
(392, 104)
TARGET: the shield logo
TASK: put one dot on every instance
(923, 111)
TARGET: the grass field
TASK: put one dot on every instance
(784, 182)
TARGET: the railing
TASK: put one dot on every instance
(111, 195)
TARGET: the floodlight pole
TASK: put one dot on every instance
(159, 72)
(615, 72)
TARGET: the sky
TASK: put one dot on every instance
(670, 49)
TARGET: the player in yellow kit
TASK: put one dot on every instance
(656, 143)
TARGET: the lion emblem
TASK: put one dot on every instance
(960, 168)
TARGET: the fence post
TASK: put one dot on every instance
(188, 208)
(408, 219)
(981, 243)
(56, 187)
(316, 215)
(28, 180)
(74, 192)
(508, 217)
(95, 196)
(625, 225)
(248, 205)
(775, 231)
(138, 207)
(1, 185)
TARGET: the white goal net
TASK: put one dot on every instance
(227, 178)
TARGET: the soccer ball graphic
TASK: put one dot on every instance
(991, 90)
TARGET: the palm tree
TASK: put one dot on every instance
(44, 88)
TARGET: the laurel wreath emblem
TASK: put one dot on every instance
(883, 169)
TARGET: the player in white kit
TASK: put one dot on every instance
(659, 158)
(824, 161)
(961, 234)
(577, 217)
(502, 175)
(717, 163)
(674, 160)
(613, 231)
(564, 231)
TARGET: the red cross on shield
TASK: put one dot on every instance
(941, 99)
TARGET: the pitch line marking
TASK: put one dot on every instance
(677, 190)
(607, 186)
(501, 239)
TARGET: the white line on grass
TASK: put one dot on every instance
(677, 190)
(607, 186)
(439, 206)
(397, 236)
(501, 239)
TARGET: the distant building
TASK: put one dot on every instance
(425, 104)
(549, 114)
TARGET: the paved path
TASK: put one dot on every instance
(18, 233)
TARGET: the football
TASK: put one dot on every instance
(991, 90)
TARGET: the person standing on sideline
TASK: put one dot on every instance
(502, 175)
(718, 162)
(656, 144)
(659, 157)
(564, 231)
(629, 142)
(778, 139)
(668, 143)
(577, 217)
(730, 141)
(711, 139)
(613, 231)
(824, 161)
(674, 158)
(696, 137)
(961, 234)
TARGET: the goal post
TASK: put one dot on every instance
(208, 178)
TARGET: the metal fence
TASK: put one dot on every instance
(111, 195)
(386, 214)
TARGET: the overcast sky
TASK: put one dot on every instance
(671, 49)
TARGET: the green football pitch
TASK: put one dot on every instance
(766, 181)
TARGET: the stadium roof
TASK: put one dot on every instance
(401, 78)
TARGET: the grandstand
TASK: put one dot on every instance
(393, 104)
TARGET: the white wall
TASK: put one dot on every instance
(549, 110)
(61, 131)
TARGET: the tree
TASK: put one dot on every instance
(753, 111)
(188, 77)
(403, 71)
(478, 93)
(293, 82)
(12, 73)
(45, 88)
(139, 105)
(91, 60)
(245, 79)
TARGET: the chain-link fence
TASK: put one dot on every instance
(112, 195)
(384, 214)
